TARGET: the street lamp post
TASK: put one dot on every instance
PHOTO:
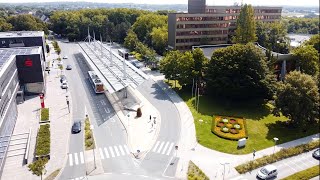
(94, 155)
(275, 143)
(67, 99)
(224, 168)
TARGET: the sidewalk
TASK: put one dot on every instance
(28, 117)
(209, 161)
(141, 132)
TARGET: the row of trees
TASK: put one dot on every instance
(23, 22)
(302, 25)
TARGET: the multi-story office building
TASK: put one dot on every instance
(210, 24)
(21, 66)
(23, 39)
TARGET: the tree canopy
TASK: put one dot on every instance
(315, 42)
(273, 36)
(307, 59)
(298, 98)
(24, 22)
(246, 27)
(302, 25)
(239, 72)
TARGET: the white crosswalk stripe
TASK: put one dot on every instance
(76, 160)
(116, 149)
(155, 147)
(111, 151)
(81, 158)
(170, 147)
(78, 178)
(121, 150)
(70, 160)
(160, 147)
(101, 153)
(165, 148)
(126, 149)
(106, 151)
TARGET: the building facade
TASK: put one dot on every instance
(13, 39)
(18, 67)
(210, 24)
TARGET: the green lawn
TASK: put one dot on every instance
(261, 124)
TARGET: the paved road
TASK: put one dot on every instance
(110, 136)
(287, 166)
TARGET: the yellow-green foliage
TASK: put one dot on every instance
(194, 173)
(305, 174)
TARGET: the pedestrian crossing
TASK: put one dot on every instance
(113, 151)
(163, 147)
(239, 178)
(76, 158)
(79, 178)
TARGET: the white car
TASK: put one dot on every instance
(267, 172)
(64, 85)
(65, 57)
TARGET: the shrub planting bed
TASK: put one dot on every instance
(195, 173)
(44, 114)
(305, 174)
(229, 127)
(89, 141)
(43, 141)
(282, 154)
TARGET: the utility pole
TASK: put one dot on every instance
(192, 88)
(198, 100)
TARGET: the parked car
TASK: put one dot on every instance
(64, 85)
(267, 172)
(76, 127)
(65, 57)
(63, 78)
(316, 154)
(68, 67)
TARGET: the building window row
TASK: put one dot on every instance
(192, 33)
(267, 17)
(216, 25)
(217, 18)
(234, 11)
(198, 40)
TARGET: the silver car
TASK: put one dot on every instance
(267, 172)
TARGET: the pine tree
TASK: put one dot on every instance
(246, 26)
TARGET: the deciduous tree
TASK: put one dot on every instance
(298, 98)
(307, 59)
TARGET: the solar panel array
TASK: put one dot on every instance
(5, 53)
(112, 69)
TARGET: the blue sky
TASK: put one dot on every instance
(209, 2)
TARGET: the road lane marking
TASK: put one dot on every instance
(294, 170)
(101, 153)
(106, 151)
(121, 150)
(165, 148)
(155, 147)
(116, 149)
(170, 147)
(126, 149)
(70, 160)
(160, 147)
(81, 158)
(107, 110)
(111, 151)
(76, 160)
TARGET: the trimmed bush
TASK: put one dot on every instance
(305, 174)
(282, 154)
(43, 141)
(44, 114)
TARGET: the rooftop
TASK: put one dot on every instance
(21, 34)
(114, 72)
(6, 53)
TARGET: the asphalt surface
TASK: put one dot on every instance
(110, 135)
(286, 167)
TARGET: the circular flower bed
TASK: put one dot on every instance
(237, 126)
(234, 131)
(224, 129)
(233, 121)
(225, 120)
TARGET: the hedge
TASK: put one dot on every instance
(195, 173)
(89, 142)
(44, 114)
(43, 140)
(305, 174)
(282, 154)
